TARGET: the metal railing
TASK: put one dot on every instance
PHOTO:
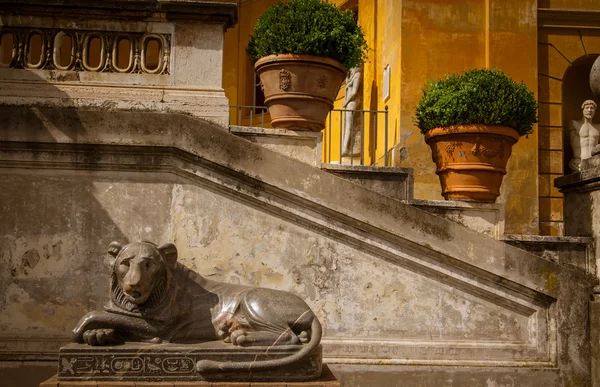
(365, 125)
(368, 127)
(246, 114)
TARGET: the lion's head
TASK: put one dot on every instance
(140, 273)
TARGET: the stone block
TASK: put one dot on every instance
(552, 228)
(550, 162)
(302, 145)
(546, 186)
(550, 115)
(550, 138)
(566, 250)
(551, 209)
(327, 379)
(394, 182)
(485, 218)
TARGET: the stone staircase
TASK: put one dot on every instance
(485, 218)
(406, 297)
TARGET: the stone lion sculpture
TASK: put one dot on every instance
(154, 298)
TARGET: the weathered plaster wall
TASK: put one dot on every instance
(436, 35)
(57, 228)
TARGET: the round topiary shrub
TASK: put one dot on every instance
(483, 96)
(308, 27)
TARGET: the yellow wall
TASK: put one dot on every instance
(237, 71)
(441, 37)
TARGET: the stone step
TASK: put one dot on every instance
(394, 182)
(577, 252)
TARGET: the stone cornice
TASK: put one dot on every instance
(588, 179)
(225, 12)
(568, 18)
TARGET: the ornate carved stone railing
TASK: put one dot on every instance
(87, 50)
(146, 55)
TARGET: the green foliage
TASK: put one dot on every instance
(310, 27)
(477, 97)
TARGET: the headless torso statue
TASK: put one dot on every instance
(583, 135)
(352, 118)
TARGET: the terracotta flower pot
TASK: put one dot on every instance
(471, 159)
(299, 89)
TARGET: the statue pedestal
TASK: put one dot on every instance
(327, 379)
(582, 218)
(172, 363)
(581, 192)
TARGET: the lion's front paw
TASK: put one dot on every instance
(239, 337)
(224, 333)
(99, 336)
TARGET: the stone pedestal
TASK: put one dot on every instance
(581, 192)
(134, 362)
(582, 218)
(595, 339)
(581, 198)
(327, 379)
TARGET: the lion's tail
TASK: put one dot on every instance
(215, 366)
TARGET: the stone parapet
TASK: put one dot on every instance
(394, 182)
(485, 218)
(566, 250)
(302, 145)
(581, 192)
(118, 54)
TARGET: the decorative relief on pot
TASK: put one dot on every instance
(450, 148)
(322, 82)
(262, 86)
(285, 79)
(487, 152)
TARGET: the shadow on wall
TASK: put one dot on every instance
(57, 222)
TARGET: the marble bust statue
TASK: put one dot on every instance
(584, 135)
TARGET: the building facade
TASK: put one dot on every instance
(548, 45)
